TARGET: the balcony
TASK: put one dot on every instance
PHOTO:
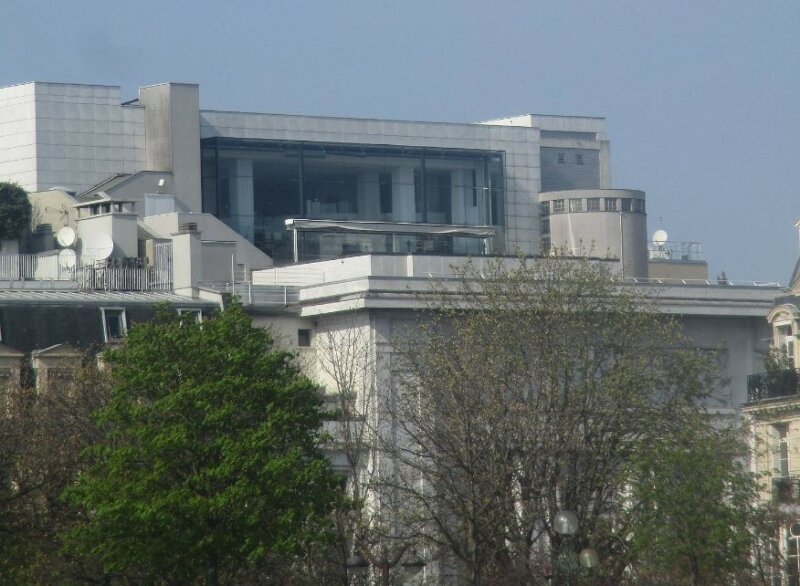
(786, 490)
(773, 385)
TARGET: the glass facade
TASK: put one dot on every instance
(255, 185)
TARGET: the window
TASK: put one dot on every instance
(545, 225)
(579, 159)
(793, 553)
(558, 206)
(781, 450)
(544, 208)
(592, 204)
(562, 158)
(611, 204)
(575, 204)
(626, 204)
(638, 206)
(114, 324)
(385, 190)
(785, 340)
(304, 338)
(195, 312)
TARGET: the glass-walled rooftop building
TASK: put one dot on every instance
(368, 194)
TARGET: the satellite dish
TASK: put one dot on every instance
(67, 259)
(660, 237)
(66, 237)
(97, 247)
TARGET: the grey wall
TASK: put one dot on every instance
(569, 174)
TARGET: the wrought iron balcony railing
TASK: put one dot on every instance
(773, 385)
(786, 489)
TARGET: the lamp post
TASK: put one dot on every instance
(565, 524)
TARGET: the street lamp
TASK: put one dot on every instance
(565, 524)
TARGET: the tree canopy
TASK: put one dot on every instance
(533, 387)
(15, 210)
(209, 462)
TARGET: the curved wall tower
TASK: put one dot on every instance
(608, 223)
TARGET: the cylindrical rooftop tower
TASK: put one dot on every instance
(609, 223)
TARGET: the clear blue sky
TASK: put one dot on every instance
(702, 98)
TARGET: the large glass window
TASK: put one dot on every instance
(255, 185)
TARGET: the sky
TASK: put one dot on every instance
(701, 98)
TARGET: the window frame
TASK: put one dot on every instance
(196, 311)
(123, 323)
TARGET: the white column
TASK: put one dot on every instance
(460, 193)
(477, 194)
(368, 196)
(403, 200)
(242, 207)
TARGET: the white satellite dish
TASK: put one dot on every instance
(660, 237)
(66, 237)
(67, 259)
(97, 247)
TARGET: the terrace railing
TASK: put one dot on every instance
(773, 385)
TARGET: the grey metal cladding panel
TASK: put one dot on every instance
(557, 176)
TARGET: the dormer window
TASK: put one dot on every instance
(114, 324)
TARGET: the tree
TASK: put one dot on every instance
(209, 467)
(42, 435)
(693, 509)
(15, 210)
(527, 390)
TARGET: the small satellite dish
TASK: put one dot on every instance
(66, 237)
(97, 247)
(67, 259)
(660, 237)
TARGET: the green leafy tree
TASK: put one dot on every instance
(15, 210)
(209, 467)
(693, 510)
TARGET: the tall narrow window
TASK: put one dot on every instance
(793, 554)
(562, 159)
(785, 340)
(781, 460)
(579, 159)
